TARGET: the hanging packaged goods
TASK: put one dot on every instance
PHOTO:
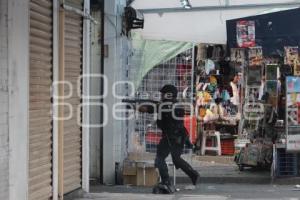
(293, 113)
(255, 55)
(290, 55)
(237, 55)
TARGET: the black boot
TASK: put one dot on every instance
(163, 188)
(187, 168)
(195, 177)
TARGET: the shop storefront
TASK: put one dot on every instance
(269, 48)
(244, 95)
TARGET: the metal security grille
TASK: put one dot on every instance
(40, 107)
(177, 71)
(73, 70)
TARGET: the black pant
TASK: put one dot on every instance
(165, 147)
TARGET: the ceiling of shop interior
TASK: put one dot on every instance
(146, 4)
(204, 23)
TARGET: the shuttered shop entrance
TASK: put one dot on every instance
(73, 69)
(40, 125)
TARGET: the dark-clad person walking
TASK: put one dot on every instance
(174, 136)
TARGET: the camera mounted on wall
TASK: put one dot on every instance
(132, 19)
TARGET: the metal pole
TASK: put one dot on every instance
(61, 101)
(102, 85)
(55, 132)
(192, 93)
(174, 175)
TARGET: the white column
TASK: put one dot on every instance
(4, 153)
(110, 39)
(95, 90)
(86, 93)
(18, 64)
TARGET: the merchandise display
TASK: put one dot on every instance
(254, 75)
(271, 72)
(214, 105)
(263, 90)
(293, 113)
(257, 154)
(296, 68)
(237, 55)
(271, 88)
(245, 33)
(255, 55)
(291, 55)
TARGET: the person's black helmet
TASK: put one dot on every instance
(169, 89)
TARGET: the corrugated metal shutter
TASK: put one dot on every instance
(40, 107)
(73, 69)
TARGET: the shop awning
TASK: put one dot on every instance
(153, 52)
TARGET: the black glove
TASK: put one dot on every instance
(188, 143)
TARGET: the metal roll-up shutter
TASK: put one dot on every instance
(40, 106)
(73, 70)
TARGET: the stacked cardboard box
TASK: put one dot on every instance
(139, 173)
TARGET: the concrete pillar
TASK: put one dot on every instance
(18, 88)
(113, 70)
(4, 184)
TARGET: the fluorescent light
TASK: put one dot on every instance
(186, 4)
